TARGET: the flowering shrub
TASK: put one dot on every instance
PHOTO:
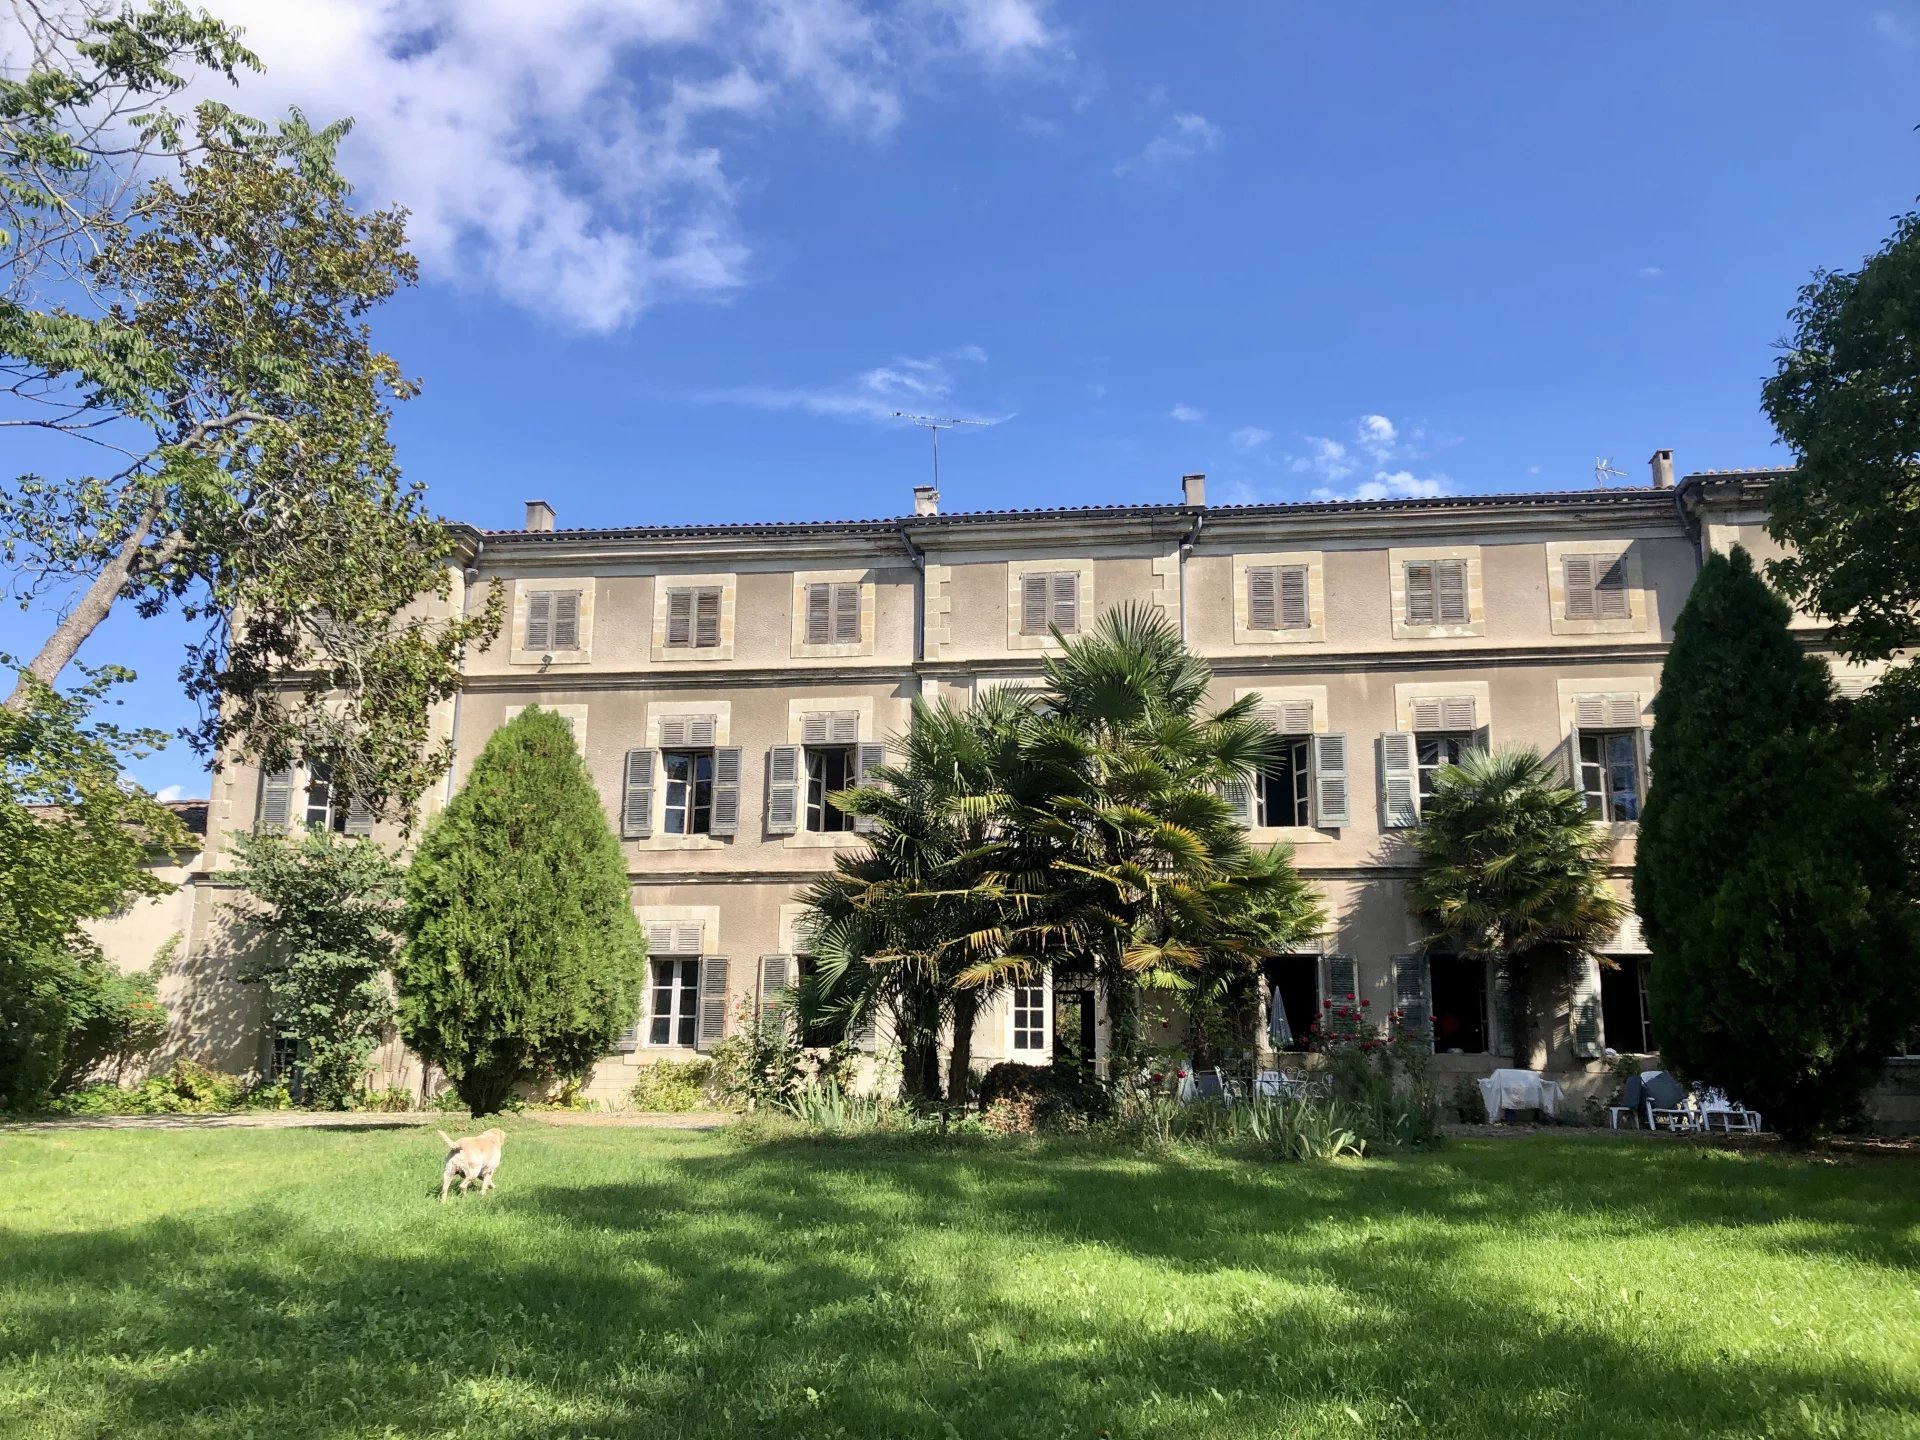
(1381, 1069)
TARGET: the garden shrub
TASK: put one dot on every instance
(674, 1086)
(1052, 1097)
(188, 1088)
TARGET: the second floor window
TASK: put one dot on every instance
(1277, 597)
(689, 797)
(693, 618)
(1050, 601)
(1284, 792)
(829, 770)
(1437, 592)
(833, 614)
(1596, 587)
(1610, 773)
(553, 620)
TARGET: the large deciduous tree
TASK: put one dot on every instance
(1770, 880)
(523, 959)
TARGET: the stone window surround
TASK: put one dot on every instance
(1405, 694)
(727, 584)
(1400, 557)
(797, 712)
(1634, 622)
(1642, 688)
(1084, 601)
(709, 918)
(518, 654)
(1315, 695)
(722, 713)
(869, 601)
(1316, 627)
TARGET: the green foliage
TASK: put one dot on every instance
(1770, 878)
(112, 1018)
(674, 1086)
(1512, 871)
(188, 1088)
(33, 1028)
(1051, 1097)
(826, 1109)
(326, 908)
(523, 960)
(760, 1061)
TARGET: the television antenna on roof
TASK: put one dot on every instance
(936, 423)
(1604, 472)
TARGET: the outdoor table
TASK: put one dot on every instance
(1519, 1090)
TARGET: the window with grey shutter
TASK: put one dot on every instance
(566, 620)
(1596, 587)
(1420, 593)
(1399, 782)
(1584, 1018)
(713, 1001)
(1445, 713)
(1615, 710)
(1330, 804)
(1035, 590)
(1450, 591)
(776, 975)
(693, 618)
(1050, 601)
(706, 619)
(783, 790)
(636, 803)
(866, 760)
(819, 614)
(830, 727)
(276, 801)
(688, 732)
(1413, 995)
(1343, 980)
(1238, 793)
(679, 619)
(1291, 584)
(1290, 717)
(359, 823)
(846, 613)
(1502, 1012)
(1263, 601)
(540, 620)
(1577, 574)
(726, 791)
(1066, 602)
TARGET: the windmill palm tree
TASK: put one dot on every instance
(1514, 872)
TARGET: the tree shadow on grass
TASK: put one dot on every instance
(855, 1289)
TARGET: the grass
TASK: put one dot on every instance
(228, 1283)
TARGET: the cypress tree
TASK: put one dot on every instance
(1768, 877)
(523, 959)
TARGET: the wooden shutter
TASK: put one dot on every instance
(819, 614)
(726, 791)
(783, 789)
(1578, 573)
(1238, 793)
(276, 801)
(1292, 587)
(1263, 600)
(359, 818)
(688, 732)
(867, 759)
(1034, 590)
(1616, 710)
(846, 614)
(706, 619)
(1342, 979)
(1584, 1020)
(636, 802)
(566, 620)
(540, 620)
(776, 975)
(1330, 804)
(1066, 601)
(1502, 1028)
(713, 1002)
(1612, 600)
(1444, 712)
(830, 727)
(679, 619)
(1292, 717)
(1450, 591)
(1420, 594)
(1413, 995)
(1399, 782)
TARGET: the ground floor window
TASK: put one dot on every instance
(675, 996)
(1623, 1005)
(283, 1050)
(1459, 1004)
(1030, 1016)
(821, 1033)
(1610, 773)
(1074, 1018)
(1293, 983)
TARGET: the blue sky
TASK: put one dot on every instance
(682, 257)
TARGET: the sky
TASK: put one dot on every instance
(682, 260)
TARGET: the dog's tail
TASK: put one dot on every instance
(446, 1139)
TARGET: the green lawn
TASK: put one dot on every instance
(641, 1283)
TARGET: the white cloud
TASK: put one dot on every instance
(168, 794)
(1097, 392)
(1533, 469)
(906, 382)
(1249, 438)
(1397, 485)
(1328, 459)
(1186, 136)
(1376, 434)
(1895, 28)
(1650, 272)
(1186, 414)
(579, 157)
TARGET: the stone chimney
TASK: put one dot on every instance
(1193, 490)
(1662, 467)
(926, 500)
(539, 517)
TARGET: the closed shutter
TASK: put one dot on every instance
(1330, 804)
(830, 727)
(1450, 591)
(1589, 1034)
(846, 614)
(1615, 710)
(1502, 1014)
(1612, 600)
(1066, 601)
(776, 974)
(566, 620)
(636, 801)
(1292, 587)
(688, 732)
(1293, 717)
(726, 791)
(1578, 573)
(1444, 712)
(1263, 600)
(539, 620)
(1033, 603)
(1399, 784)
(819, 614)
(276, 801)
(706, 619)
(783, 789)
(679, 619)
(1413, 995)
(867, 759)
(1342, 980)
(359, 818)
(713, 1002)
(1238, 793)
(1420, 594)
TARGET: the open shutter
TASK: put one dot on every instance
(783, 789)
(1399, 784)
(776, 974)
(540, 620)
(830, 727)
(713, 1002)
(1292, 588)
(1066, 601)
(706, 619)
(1420, 594)
(1584, 1021)
(566, 620)
(1033, 604)
(819, 614)
(1570, 762)
(867, 759)
(1263, 600)
(865, 1030)
(628, 1040)
(276, 801)
(846, 614)
(1238, 793)
(1330, 806)
(726, 791)
(1502, 1015)
(1611, 600)
(1578, 571)
(1342, 980)
(1413, 995)
(1450, 591)
(359, 818)
(679, 618)
(636, 802)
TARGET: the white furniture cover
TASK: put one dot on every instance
(1519, 1090)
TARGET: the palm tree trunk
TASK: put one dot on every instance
(966, 1005)
(1519, 1012)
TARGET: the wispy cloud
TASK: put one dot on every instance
(1896, 29)
(1186, 414)
(1186, 136)
(1325, 458)
(905, 382)
(1249, 438)
(1376, 435)
(1391, 485)
(1650, 272)
(1096, 392)
(168, 794)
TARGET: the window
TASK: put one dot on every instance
(321, 812)
(1050, 601)
(283, 1053)
(1459, 1004)
(1623, 1005)
(553, 620)
(833, 614)
(1030, 1016)
(674, 1005)
(829, 770)
(693, 618)
(689, 805)
(1433, 753)
(1596, 587)
(1075, 1021)
(1610, 773)
(820, 1033)
(1277, 597)
(1283, 793)
(1437, 592)
(1295, 1000)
